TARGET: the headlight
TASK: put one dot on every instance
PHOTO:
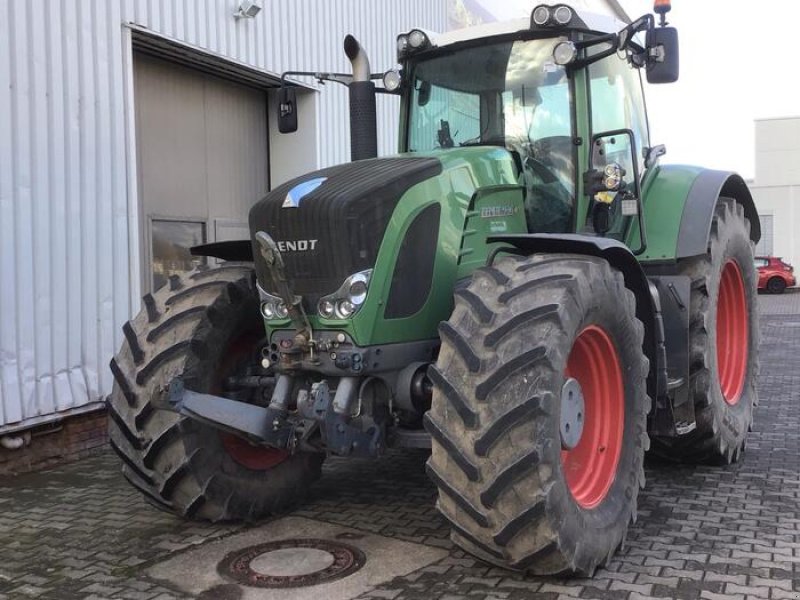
(347, 300)
(326, 308)
(268, 310)
(345, 309)
(272, 307)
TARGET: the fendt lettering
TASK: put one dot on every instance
(524, 289)
(297, 245)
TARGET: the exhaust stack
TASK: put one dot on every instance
(363, 125)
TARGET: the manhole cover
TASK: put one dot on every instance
(291, 563)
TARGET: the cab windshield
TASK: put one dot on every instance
(510, 94)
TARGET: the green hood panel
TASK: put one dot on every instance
(464, 220)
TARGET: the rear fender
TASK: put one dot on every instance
(679, 203)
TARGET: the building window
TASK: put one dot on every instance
(170, 243)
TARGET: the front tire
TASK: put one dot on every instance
(200, 328)
(518, 333)
(723, 344)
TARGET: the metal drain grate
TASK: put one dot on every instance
(291, 563)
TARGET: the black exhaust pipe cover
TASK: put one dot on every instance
(363, 122)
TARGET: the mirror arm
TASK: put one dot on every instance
(343, 78)
(618, 41)
(611, 38)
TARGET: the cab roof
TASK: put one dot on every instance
(594, 21)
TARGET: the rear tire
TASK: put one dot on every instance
(776, 285)
(722, 382)
(196, 328)
(511, 495)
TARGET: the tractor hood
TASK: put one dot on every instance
(330, 223)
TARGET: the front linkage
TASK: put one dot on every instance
(322, 419)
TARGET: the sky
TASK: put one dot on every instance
(738, 64)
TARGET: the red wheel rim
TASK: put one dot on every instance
(591, 467)
(731, 332)
(256, 458)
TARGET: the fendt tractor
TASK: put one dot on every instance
(523, 289)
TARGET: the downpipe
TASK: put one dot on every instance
(363, 120)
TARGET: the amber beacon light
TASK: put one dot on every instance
(662, 7)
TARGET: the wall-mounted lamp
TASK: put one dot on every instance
(247, 10)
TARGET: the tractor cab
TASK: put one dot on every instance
(562, 92)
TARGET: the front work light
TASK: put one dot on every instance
(402, 45)
(541, 15)
(564, 53)
(558, 15)
(563, 15)
(418, 39)
(415, 40)
(392, 80)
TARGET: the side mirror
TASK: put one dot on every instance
(287, 109)
(664, 61)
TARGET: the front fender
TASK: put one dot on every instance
(620, 257)
(679, 204)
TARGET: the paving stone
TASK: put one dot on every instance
(80, 532)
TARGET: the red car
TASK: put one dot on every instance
(774, 275)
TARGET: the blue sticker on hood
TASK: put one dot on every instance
(300, 191)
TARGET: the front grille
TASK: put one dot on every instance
(340, 224)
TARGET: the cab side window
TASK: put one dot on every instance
(617, 102)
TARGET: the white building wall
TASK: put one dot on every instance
(68, 237)
(776, 187)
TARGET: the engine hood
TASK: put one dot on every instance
(330, 223)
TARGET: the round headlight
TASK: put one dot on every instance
(358, 292)
(268, 310)
(417, 39)
(541, 15)
(281, 311)
(402, 44)
(392, 80)
(612, 183)
(563, 15)
(326, 308)
(564, 53)
(345, 309)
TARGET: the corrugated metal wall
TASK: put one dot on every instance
(67, 241)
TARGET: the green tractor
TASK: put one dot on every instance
(523, 289)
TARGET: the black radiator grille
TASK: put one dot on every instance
(336, 229)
